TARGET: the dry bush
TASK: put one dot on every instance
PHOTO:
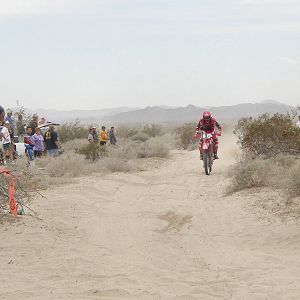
(184, 134)
(125, 150)
(140, 136)
(68, 164)
(249, 174)
(268, 135)
(154, 147)
(126, 132)
(152, 130)
(115, 164)
(279, 172)
(73, 145)
(292, 182)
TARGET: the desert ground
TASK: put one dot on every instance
(168, 232)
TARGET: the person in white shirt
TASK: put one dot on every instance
(298, 122)
(6, 141)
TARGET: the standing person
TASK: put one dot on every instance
(38, 140)
(103, 136)
(28, 142)
(2, 115)
(298, 122)
(51, 141)
(95, 134)
(6, 142)
(34, 123)
(112, 137)
(90, 136)
(11, 121)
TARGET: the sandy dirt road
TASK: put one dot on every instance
(165, 233)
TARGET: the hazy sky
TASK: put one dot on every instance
(85, 54)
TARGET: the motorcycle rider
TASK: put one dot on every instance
(208, 124)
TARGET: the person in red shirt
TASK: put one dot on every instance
(208, 124)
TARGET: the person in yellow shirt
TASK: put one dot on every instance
(103, 138)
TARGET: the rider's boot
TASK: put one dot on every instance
(215, 149)
(201, 156)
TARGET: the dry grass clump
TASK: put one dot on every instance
(249, 174)
(152, 130)
(140, 136)
(279, 172)
(126, 132)
(153, 148)
(292, 182)
(73, 144)
(116, 165)
(124, 150)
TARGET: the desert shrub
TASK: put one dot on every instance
(140, 136)
(71, 131)
(115, 164)
(70, 164)
(152, 130)
(126, 132)
(155, 147)
(279, 172)
(125, 150)
(73, 145)
(292, 182)
(184, 134)
(92, 151)
(249, 174)
(268, 135)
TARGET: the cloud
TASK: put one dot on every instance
(288, 60)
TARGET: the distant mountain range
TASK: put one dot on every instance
(191, 113)
(80, 115)
(162, 114)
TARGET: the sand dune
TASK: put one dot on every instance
(165, 233)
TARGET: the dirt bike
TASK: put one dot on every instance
(207, 149)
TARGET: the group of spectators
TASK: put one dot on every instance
(103, 136)
(35, 142)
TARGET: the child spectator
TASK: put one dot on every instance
(29, 144)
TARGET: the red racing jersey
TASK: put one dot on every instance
(208, 126)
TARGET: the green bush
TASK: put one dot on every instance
(268, 135)
(93, 151)
(71, 131)
(185, 133)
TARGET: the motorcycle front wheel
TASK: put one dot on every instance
(207, 162)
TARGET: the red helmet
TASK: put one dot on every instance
(206, 116)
